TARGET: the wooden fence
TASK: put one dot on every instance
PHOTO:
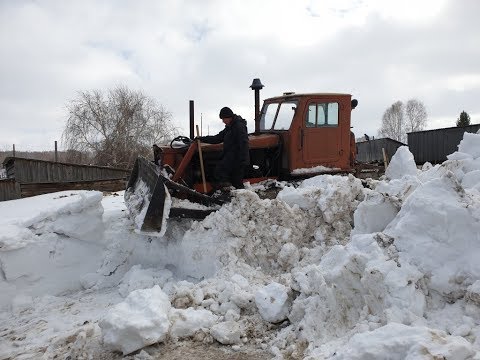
(29, 177)
(9, 189)
(372, 150)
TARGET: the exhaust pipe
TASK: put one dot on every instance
(256, 87)
(192, 120)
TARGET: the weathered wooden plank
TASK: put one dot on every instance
(32, 189)
(41, 171)
(9, 190)
(371, 150)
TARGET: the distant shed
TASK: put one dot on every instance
(371, 150)
(434, 145)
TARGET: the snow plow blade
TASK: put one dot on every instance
(152, 198)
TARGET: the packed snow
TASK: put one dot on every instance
(314, 170)
(332, 268)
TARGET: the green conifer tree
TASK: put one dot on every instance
(463, 120)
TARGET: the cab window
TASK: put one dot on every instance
(322, 114)
(268, 116)
(285, 116)
(278, 116)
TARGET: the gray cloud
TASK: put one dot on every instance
(210, 52)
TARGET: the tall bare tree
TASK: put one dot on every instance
(399, 119)
(393, 122)
(416, 115)
(116, 127)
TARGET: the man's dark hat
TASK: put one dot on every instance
(226, 112)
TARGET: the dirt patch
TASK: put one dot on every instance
(189, 350)
(192, 350)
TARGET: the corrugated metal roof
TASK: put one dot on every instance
(452, 127)
(434, 145)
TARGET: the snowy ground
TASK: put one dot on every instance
(331, 269)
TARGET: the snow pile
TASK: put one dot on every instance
(328, 269)
(190, 322)
(138, 278)
(405, 342)
(253, 231)
(452, 217)
(465, 163)
(74, 214)
(272, 302)
(228, 332)
(141, 320)
(314, 170)
(404, 164)
(47, 242)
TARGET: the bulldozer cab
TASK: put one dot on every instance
(315, 129)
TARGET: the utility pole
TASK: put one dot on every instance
(13, 150)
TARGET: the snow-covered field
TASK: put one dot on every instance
(332, 269)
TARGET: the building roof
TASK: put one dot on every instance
(452, 127)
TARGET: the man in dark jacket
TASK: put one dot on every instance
(235, 156)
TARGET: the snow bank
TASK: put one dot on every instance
(328, 269)
(48, 242)
(254, 230)
(452, 219)
(74, 214)
(405, 342)
(357, 272)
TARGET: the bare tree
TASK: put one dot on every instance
(114, 128)
(393, 122)
(399, 119)
(416, 115)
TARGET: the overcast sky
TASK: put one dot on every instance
(209, 51)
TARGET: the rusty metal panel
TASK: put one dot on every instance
(371, 151)
(9, 190)
(434, 145)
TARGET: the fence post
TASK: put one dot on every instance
(56, 154)
(385, 158)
